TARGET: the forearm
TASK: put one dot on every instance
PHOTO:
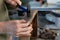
(2, 27)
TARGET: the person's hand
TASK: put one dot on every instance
(19, 27)
(13, 2)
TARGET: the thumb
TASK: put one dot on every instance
(18, 2)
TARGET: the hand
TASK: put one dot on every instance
(19, 27)
(13, 2)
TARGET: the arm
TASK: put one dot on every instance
(2, 27)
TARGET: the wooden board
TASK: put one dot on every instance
(30, 19)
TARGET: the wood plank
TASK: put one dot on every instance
(33, 14)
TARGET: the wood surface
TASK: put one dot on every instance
(33, 14)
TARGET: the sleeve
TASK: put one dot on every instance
(3, 11)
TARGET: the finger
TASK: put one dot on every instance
(29, 30)
(18, 21)
(21, 25)
(22, 21)
(20, 35)
(23, 34)
(11, 2)
(18, 1)
(28, 24)
(22, 30)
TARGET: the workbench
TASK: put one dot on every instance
(36, 6)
